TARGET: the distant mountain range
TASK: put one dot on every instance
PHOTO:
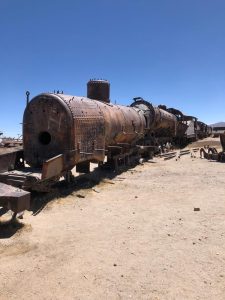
(219, 124)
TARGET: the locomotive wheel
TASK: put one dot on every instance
(221, 157)
(212, 151)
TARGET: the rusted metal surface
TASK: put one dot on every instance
(157, 118)
(98, 90)
(179, 153)
(78, 128)
(170, 156)
(202, 130)
(222, 141)
(165, 120)
(212, 153)
(11, 160)
(161, 125)
(13, 198)
(47, 129)
(184, 152)
(62, 131)
(167, 154)
(27, 97)
(30, 179)
(123, 124)
(209, 153)
(191, 132)
(60, 124)
(52, 167)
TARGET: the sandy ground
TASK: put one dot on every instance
(138, 238)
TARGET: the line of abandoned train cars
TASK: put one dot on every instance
(63, 131)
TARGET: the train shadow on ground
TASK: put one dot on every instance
(80, 183)
(8, 228)
(61, 189)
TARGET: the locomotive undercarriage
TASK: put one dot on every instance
(17, 180)
(126, 155)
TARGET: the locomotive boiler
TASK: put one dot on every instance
(160, 125)
(79, 129)
(61, 131)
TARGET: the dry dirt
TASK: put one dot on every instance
(138, 238)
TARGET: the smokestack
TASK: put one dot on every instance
(98, 89)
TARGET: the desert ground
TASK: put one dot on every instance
(155, 231)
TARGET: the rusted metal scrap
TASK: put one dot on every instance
(212, 153)
(170, 156)
(11, 197)
(184, 152)
(167, 154)
(11, 142)
(14, 199)
(11, 160)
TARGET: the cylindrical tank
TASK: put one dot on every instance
(147, 109)
(98, 90)
(158, 120)
(56, 124)
(164, 119)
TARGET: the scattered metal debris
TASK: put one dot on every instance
(211, 153)
(170, 156)
(196, 209)
(14, 199)
(80, 196)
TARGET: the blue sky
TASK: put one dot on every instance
(167, 51)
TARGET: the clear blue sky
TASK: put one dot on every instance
(168, 51)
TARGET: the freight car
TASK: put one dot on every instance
(202, 130)
(63, 131)
(198, 130)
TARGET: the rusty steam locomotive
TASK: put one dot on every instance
(62, 131)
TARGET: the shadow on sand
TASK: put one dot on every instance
(63, 189)
(8, 229)
(60, 190)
